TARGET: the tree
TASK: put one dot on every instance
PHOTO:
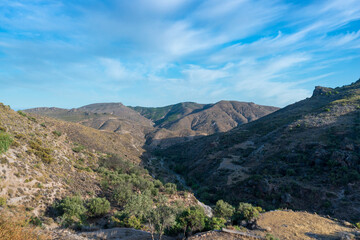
(247, 212)
(72, 210)
(161, 217)
(223, 210)
(138, 205)
(192, 219)
(215, 223)
(170, 188)
(122, 192)
(98, 206)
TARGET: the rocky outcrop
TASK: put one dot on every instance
(321, 91)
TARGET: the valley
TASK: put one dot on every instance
(233, 156)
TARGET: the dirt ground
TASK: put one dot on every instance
(303, 225)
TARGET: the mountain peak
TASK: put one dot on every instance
(319, 90)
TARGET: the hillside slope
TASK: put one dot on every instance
(164, 115)
(39, 166)
(187, 120)
(304, 156)
(162, 126)
(60, 173)
(110, 117)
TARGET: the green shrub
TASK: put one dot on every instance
(357, 225)
(41, 152)
(71, 210)
(170, 188)
(270, 237)
(215, 223)
(122, 193)
(138, 205)
(35, 221)
(98, 206)
(2, 201)
(57, 133)
(5, 142)
(158, 183)
(133, 222)
(161, 218)
(78, 148)
(223, 210)
(192, 220)
(247, 212)
(123, 220)
(22, 113)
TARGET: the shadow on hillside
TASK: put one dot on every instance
(336, 136)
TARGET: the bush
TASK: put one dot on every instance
(223, 210)
(35, 221)
(43, 153)
(357, 225)
(2, 201)
(57, 133)
(78, 148)
(215, 223)
(133, 222)
(72, 211)
(192, 220)
(170, 188)
(98, 206)
(270, 237)
(5, 142)
(247, 212)
(122, 193)
(161, 218)
(138, 205)
(123, 220)
(22, 113)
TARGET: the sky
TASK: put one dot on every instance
(69, 53)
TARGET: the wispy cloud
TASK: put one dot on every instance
(132, 51)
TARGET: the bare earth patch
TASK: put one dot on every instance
(303, 225)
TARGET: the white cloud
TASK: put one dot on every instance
(201, 49)
(198, 75)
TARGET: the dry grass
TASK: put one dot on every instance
(18, 229)
(301, 225)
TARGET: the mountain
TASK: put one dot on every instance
(111, 117)
(304, 156)
(164, 115)
(184, 121)
(56, 173)
(164, 126)
(118, 110)
(63, 173)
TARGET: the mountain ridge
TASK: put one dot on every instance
(163, 126)
(309, 148)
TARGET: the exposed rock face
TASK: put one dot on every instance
(321, 91)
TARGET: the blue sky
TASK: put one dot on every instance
(160, 52)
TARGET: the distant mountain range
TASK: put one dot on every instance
(162, 126)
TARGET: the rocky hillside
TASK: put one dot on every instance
(164, 115)
(111, 117)
(162, 126)
(211, 118)
(304, 156)
(56, 173)
(40, 164)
